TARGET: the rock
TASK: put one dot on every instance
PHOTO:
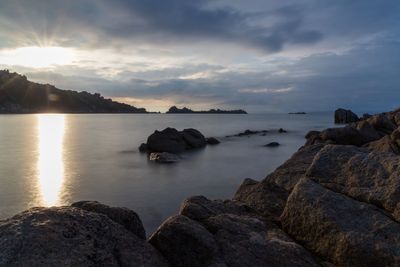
(173, 141)
(143, 147)
(368, 133)
(345, 116)
(268, 197)
(382, 124)
(164, 157)
(126, 217)
(193, 138)
(265, 197)
(69, 236)
(366, 116)
(342, 136)
(216, 233)
(168, 140)
(272, 144)
(184, 242)
(200, 208)
(248, 133)
(212, 141)
(281, 130)
(368, 176)
(342, 230)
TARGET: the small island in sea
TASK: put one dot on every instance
(185, 110)
(297, 113)
(19, 95)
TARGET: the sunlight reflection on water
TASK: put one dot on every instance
(50, 165)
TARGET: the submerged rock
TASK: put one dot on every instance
(272, 144)
(69, 236)
(212, 141)
(345, 116)
(164, 157)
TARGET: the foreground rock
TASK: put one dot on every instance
(345, 116)
(340, 229)
(69, 236)
(217, 233)
(126, 217)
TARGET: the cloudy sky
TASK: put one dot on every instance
(263, 56)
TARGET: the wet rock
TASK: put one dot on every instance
(212, 141)
(193, 138)
(126, 217)
(164, 157)
(173, 141)
(250, 132)
(143, 147)
(69, 236)
(272, 144)
(342, 230)
(168, 140)
(345, 116)
(281, 130)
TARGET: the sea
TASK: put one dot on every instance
(57, 159)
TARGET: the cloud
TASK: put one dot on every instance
(104, 23)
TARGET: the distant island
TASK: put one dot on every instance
(297, 113)
(19, 95)
(185, 110)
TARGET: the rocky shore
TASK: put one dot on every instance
(335, 202)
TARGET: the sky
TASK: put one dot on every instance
(259, 55)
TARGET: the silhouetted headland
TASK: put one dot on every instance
(19, 95)
(186, 110)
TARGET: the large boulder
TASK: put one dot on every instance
(345, 116)
(126, 217)
(69, 236)
(193, 138)
(168, 140)
(340, 229)
(368, 176)
(268, 197)
(382, 124)
(173, 141)
(225, 233)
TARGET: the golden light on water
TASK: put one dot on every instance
(50, 165)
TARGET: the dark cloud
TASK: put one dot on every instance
(103, 23)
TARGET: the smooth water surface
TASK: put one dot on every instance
(56, 159)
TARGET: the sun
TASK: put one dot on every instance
(37, 57)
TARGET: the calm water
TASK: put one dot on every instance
(57, 159)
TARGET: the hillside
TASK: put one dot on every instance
(19, 95)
